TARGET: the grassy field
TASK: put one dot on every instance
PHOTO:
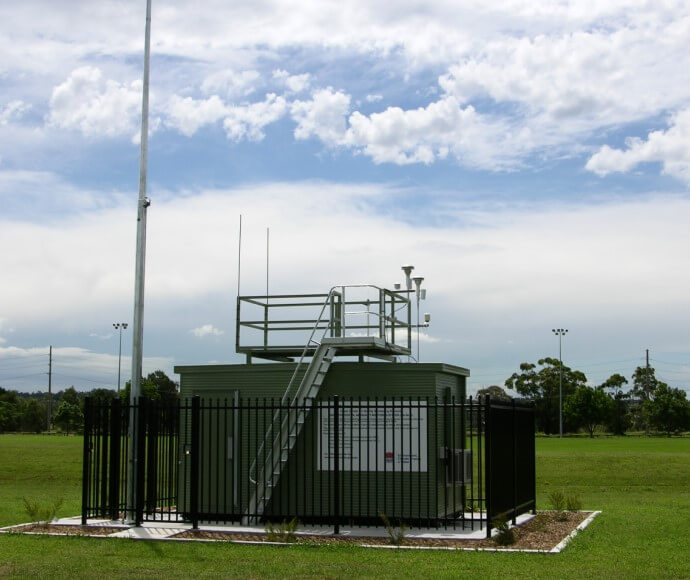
(642, 485)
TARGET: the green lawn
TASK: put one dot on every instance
(642, 485)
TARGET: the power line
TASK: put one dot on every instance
(21, 377)
(23, 357)
(100, 382)
(671, 363)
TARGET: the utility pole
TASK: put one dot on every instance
(50, 387)
(140, 269)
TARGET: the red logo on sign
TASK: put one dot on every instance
(389, 456)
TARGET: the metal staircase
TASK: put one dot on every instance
(283, 433)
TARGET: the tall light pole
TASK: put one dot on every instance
(560, 333)
(139, 271)
(119, 326)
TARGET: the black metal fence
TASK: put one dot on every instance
(337, 461)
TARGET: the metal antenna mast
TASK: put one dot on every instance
(140, 268)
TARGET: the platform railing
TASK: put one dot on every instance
(266, 325)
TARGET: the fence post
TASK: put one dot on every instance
(515, 450)
(336, 467)
(487, 462)
(114, 472)
(140, 464)
(153, 419)
(194, 467)
(533, 442)
(85, 466)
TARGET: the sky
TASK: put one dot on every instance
(530, 159)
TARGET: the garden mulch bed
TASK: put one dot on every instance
(543, 532)
(65, 529)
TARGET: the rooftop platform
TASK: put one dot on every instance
(359, 320)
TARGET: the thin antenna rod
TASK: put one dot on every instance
(140, 269)
(268, 232)
(239, 258)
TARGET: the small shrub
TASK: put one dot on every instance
(557, 500)
(395, 534)
(573, 503)
(505, 535)
(283, 532)
(562, 504)
(41, 513)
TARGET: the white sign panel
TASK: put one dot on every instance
(374, 436)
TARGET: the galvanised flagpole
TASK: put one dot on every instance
(140, 268)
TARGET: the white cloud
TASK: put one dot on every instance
(107, 336)
(248, 121)
(12, 111)
(95, 106)
(426, 134)
(374, 98)
(670, 148)
(324, 116)
(206, 330)
(240, 122)
(188, 115)
(293, 83)
(230, 83)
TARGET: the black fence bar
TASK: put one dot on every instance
(194, 484)
(114, 477)
(86, 461)
(418, 461)
(336, 466)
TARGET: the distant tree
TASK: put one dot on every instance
(619, 418)
(102, 394)
(33, 416)
(588, 408)
(69, 417)
(495, 392)
(70, 395)
(148, 390)
(644, 383)
(10, 413)
(156, 386)
(541, 386)
(669, 410)
(166, 387)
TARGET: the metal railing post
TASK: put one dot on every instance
(85, 467)
(336, 466)
(487, 462)
(515, 473)
(140, 464)
(194, 467)
(114, 472)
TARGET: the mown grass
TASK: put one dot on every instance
(641, 484)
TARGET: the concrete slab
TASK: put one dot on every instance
(165, 531)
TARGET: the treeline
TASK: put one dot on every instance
(64, 411)
(616, 406)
